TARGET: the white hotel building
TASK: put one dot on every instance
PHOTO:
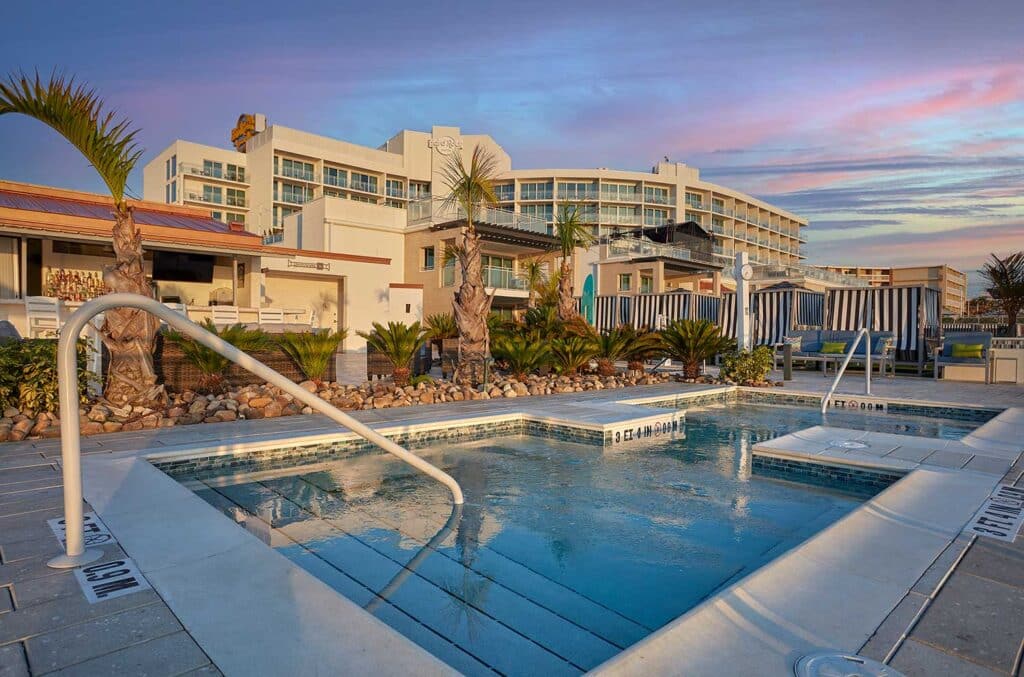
(304, 191)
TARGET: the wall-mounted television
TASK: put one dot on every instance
(182, 267)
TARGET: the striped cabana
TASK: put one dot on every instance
(808, 309)
(647, 310)
(770, 312)
(705, 307)
(727, 315)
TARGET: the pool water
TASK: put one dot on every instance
(564, 554)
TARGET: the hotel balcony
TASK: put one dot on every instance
(694, 204)
(291, 198)
(228, 201)
(537, 195)
(234, 176)
(658, 199)
(493, 224)
(621, 196)
(578, 195)
(301, 175)
(336, 182)
(675, 257)
(364, 186)
(504, 282)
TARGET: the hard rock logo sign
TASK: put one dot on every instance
(445, 145)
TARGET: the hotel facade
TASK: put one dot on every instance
(658, 231)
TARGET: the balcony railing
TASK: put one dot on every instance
(291, 198)
(634, 247)
(620, 220)
(536, 194)
(577, 195)
(696, 204)
(235, 201)
(293, 173)
(365, 186)
(658, 198)
(237, 175)
(502, 278)
(202, 197)
(273, 236)
(336, 181)
(621, 196)
(395, 192)
(434, 210)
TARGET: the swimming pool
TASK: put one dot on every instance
(564, 553)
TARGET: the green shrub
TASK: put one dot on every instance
(610, 346)
(441, 326)
(399, 342)
(311, 351)
(211, 363)
(748, 366)
(28, 375)
(520, 355)
(572, 353)
(692, 342)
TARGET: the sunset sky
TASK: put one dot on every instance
(896, 127)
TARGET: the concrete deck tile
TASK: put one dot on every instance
(78, 643)
(66, 611)
(933, 576)
(915, 659)
(794, 445)
(988, 465)
(35, 567)
(893, 627)
(164, 656)
(45, 499)
(935, 499)
(13, 662)
(947, 459)
(998, 561)
(977, 619)
(22, 461)
(44, 546)
(27, 526)
(914, 454)
(41, 590)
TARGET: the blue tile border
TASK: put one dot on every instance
(860, 481)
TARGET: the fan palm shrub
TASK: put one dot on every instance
(570, 233)
(212, 364)
(692, 342)
(399, 342)
(312, 351)
(543, 321)
(1005, 280)
(470, 189)
(641, 345)
(441, 326)
(609, 347)
(108, 144)
(571, 353)
(521, 355)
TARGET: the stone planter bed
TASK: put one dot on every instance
(263, 401)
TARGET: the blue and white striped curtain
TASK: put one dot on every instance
(606, 312)
(770, 316)
(932, 308)
(810, 308)
(646, 310)
(846, 308)
(625, 313)
(675, 306)
(705, 307)
(727, 315)
(896, 310)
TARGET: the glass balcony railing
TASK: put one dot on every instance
(336, 181)
(577, 195)
(365, 186)
(621, 196)
(214, 172)
(297, 173)
(273, 236)
(633, 247)
(536, 194)
(210, 198)
(694, 204)
(394, 192)
(292, 198)
(620, 220)
(235, 201)
(502, 278)
(658, 198)
(434, 210)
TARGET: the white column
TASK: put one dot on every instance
(743, 319)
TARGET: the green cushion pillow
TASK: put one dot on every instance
(970, 350)
(833, 347)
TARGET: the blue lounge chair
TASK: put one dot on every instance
(944, 356)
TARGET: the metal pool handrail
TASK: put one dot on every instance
(862, 334)
(70, 436)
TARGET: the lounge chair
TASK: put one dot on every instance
(948, 352)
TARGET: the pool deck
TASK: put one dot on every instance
(973, 625)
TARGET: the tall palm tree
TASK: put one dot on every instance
(570, 233)
(1005, 278)
(471, 189)
(75, 112)
(533, 272)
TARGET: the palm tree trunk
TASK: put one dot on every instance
(471, 307)
(128, 333)
(691, 369)
(566, 302)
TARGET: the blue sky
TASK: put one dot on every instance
(897, 128)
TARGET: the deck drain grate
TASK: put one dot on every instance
(840, 664)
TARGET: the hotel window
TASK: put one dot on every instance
(234, 218)
(576, 190)
(655, 217)
(10, 280)
(656, 195)
(505, 192)
(418, 190)
(328, 192)
(394, 188)
(236, 197)
(585, 213)
(428, 258)
(213, 194)
(718, 205)
(535, 191)
(364, 182)
(335, 177)
(448, 272)
(174, 165)
(619, 192)
(174, 192)
(217, 216)
(363, 198)
(235, 173)
(625, 281)
(167, 193)
(296, 169)
(542, 212)
(397, 204)
(695, 200)
(694, 216)
(295, 193)
(214, 169)
(619, 214)
(646, 284)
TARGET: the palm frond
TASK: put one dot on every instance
(311, 351)
(570, 231)
(472, 187)
(399, 342)
(75, 112)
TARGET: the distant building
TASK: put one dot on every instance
(948, 280)
(306, 191)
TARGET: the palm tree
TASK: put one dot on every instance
(611, 346)
(572, 353)
(570, 233)
(693, 341)
(75, 112)
(533, 272)
(1005, 278)
(399, 342)
(470, 189)
(520, 354)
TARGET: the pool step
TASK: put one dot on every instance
(498, 626)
